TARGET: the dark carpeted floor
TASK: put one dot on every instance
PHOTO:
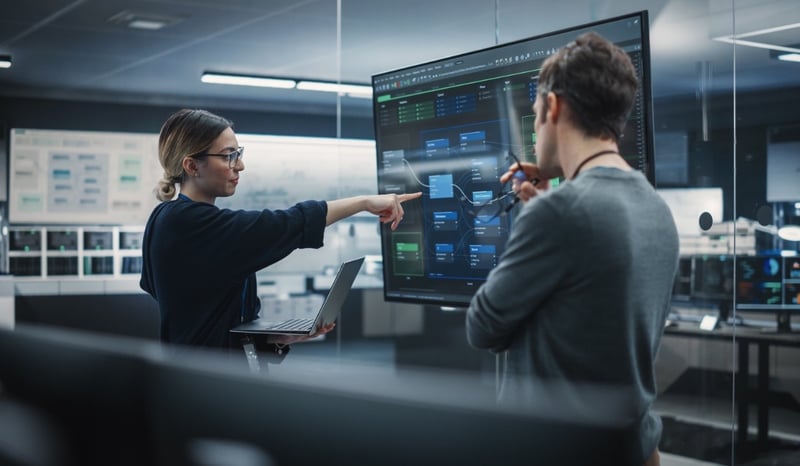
(714, 445)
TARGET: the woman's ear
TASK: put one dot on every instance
(190, 166)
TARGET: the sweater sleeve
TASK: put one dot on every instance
(254, 240)
(242, 241)
(506, 300)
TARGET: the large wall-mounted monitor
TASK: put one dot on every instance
(450, 128)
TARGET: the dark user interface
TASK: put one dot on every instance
(450, 129)
(768, 282)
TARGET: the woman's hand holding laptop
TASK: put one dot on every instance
(289, 339)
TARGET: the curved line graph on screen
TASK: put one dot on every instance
(464, 197)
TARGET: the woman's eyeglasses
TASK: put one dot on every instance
(233, 156)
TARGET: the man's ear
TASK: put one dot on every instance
(554, 108)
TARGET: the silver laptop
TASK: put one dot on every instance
(327, 313)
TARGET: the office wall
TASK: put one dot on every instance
(710, 160)
(110, 116)
(709, 164)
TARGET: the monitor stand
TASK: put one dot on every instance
(783, 323)
(724, 313)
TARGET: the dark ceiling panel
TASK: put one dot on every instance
(30, 12)
(70, 46)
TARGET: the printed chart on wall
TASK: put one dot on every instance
(81, 177)
(94, 177)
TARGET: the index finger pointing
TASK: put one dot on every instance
(409, 196)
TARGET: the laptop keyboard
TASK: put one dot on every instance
(294, 324)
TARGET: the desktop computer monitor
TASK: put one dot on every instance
(92, 389)
(682, 287)
(62, 240)
(769, 284)
(98, 240)
(712, 278)
(324, 412)
(25, 240)
(450, 128)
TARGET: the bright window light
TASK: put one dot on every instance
(795, 57)
(5, 62)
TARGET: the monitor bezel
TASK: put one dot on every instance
(647, 114)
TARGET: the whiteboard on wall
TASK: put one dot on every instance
(81, 177)
(109, 178)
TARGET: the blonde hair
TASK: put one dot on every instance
(186, 132)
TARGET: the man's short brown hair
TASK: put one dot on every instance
(598, 82)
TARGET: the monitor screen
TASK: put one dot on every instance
(767, 283)
(25, 240)
(98, 240)
(62, 240)
(682, 287)
(712, 277)
(130, 239)
(450, 128)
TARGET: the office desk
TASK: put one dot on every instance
(744, 337)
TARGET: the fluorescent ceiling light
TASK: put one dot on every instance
(143, 20)
(769, 30)
(238, 80)
(737, 38)
(5, 62)
(150, 25)
(353, 90)
(789, 233)
(795, 57)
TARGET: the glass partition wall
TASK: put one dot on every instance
(727, 146)
(766, 181)
(725, 94)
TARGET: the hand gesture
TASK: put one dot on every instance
(526, 181)
(388, 207)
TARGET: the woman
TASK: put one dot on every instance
(199, 261)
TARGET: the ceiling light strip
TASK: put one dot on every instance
(768, 30)
(736, 39)
(352, 90)
(255, 81)
(334, 87)
(760, 45)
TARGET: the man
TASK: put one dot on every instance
(580, 297)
